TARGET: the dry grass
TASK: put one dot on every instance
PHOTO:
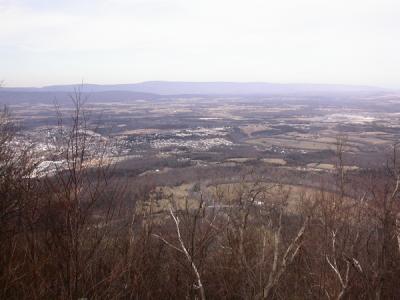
(141, 131)
(253, 128)
(240, 159)
(291, 143)
(274, 161)
(170, 196)
(330, 167)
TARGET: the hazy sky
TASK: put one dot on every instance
(124, 41)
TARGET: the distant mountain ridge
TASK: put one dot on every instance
(207, 88)
(33, 96)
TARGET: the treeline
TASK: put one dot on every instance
(84, 233)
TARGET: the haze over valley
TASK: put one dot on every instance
(230, 125)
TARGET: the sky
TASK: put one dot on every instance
(45, 42)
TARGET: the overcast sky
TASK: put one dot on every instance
(126, 41)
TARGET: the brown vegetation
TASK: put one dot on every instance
(83, 233)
